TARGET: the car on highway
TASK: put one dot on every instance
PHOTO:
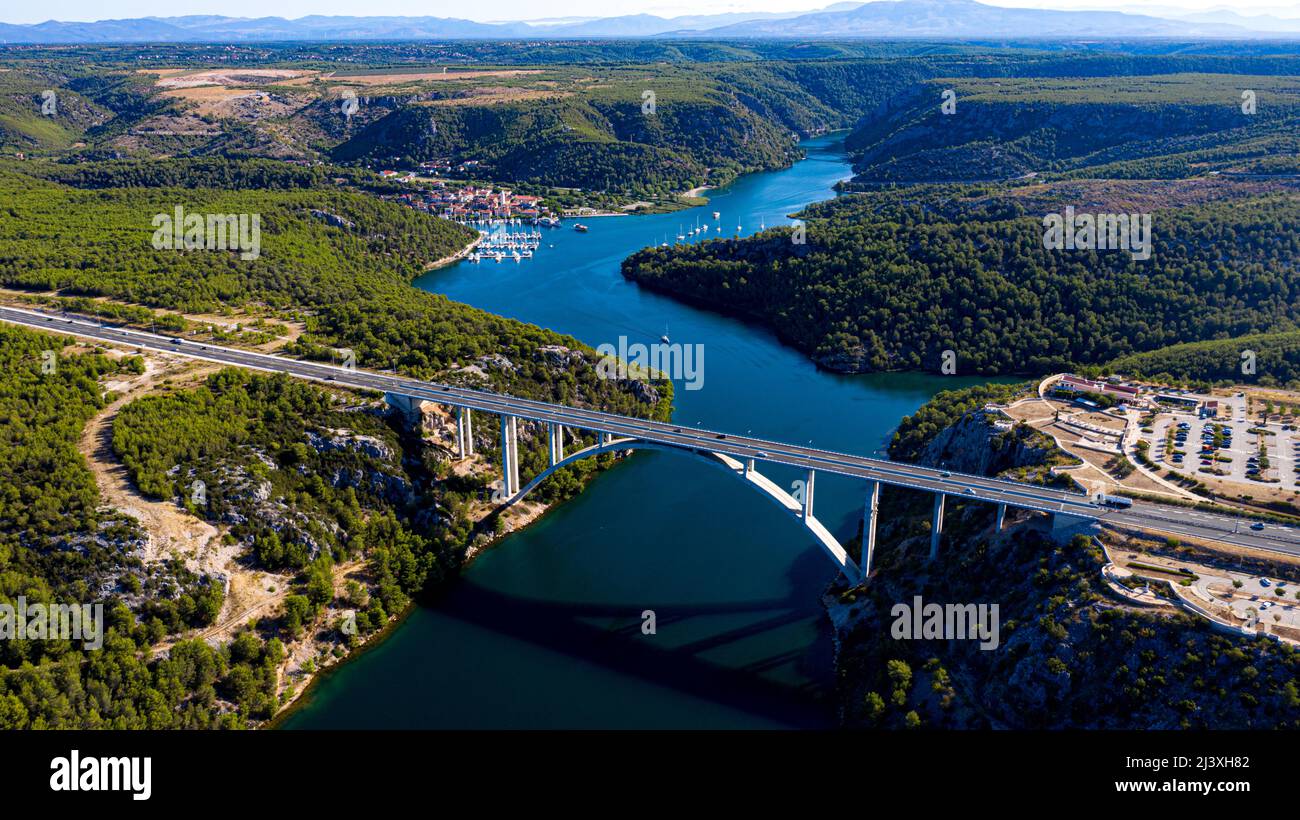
(761, 454)
(970, 491)
(1258, 525)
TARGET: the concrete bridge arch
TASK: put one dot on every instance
(802, 511)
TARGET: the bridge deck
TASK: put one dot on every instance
(1160, 518)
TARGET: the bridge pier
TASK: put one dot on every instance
(411, 409)
(509, 456)
(464, 432)
(1002, 518)
(749, 466)
(809, 484)
(870, 511)
(936, 525)
(1065, 526)
(556, 432)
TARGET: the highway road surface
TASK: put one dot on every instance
(1148, 516)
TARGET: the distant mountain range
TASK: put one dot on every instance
(930, 19)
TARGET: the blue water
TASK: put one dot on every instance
(544, 630)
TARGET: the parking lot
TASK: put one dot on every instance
(1270, 599)
(1230, 447)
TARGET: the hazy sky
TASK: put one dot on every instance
(528, 9)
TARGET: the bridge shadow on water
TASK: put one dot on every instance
(788, 686)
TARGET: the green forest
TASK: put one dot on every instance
(889, 283)
(301, 477)
(1128, 127)
(58, 546)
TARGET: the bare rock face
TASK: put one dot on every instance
(496, 361)
(392, 488)
(985, 443)
(333, 219)
(560, 357)
(645, 392)
(347, 440)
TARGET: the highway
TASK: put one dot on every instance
(1160, 518)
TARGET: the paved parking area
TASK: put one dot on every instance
(1258, 594)
(1231, 444)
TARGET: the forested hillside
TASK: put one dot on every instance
(602, 142)
(58, 546)
(298, 479)
(572, 115)
(887, 282)
(1172, 125)
(1276, 361)
(1067, 658)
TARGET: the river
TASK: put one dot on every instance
(545, 629)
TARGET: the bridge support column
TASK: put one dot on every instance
(809, 484)
(603, 438)
(509, 456)
(936, 525)
(467, 416)
(460, 432)
(1065, 526)
(1002, 518)
(749, 466)
(411, 409)
(556, 432)
(869, 512)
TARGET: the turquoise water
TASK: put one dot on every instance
(544, 630)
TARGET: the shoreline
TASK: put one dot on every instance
(306, 695)
(378, 637)
(455, 257)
